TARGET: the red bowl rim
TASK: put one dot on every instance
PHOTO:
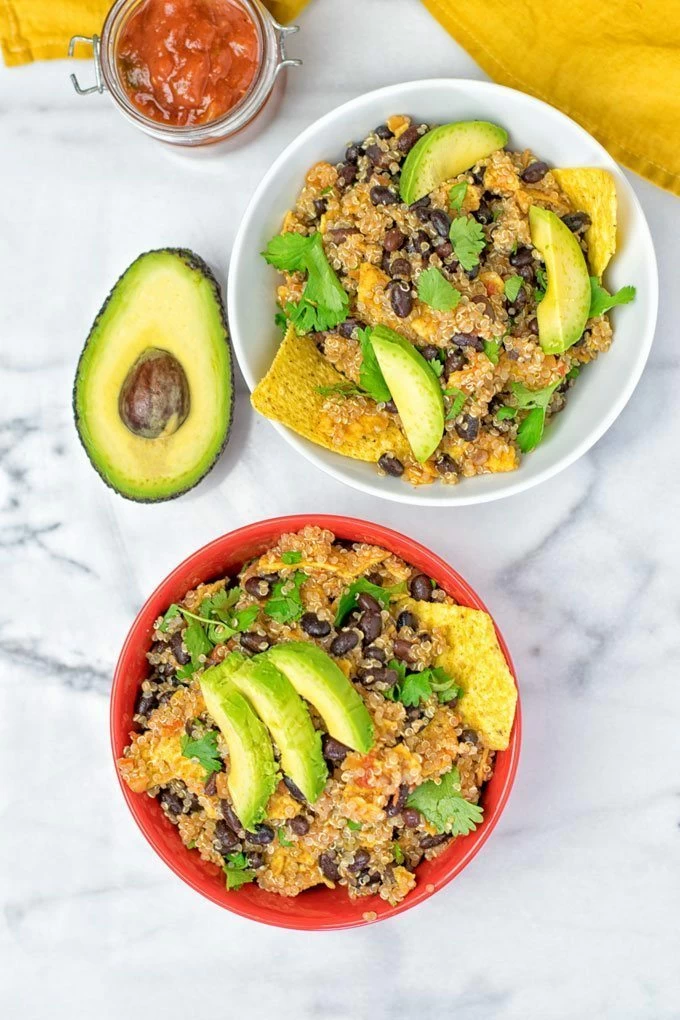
(438, 568)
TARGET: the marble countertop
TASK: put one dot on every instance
(572, 907)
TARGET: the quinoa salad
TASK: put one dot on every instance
(459, 275)
(259, 675)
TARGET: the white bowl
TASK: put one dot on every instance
(603, 388)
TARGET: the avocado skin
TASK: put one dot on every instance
(195, 262)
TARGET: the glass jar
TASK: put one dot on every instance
(272, 61)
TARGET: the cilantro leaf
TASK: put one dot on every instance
(353, 826)
(444, 806)
(341, 389)
(458, 403)
(467, 237)
(197, 642)
(414, 688)
(436, 365)
(281, 321)
(512, 287)
(397, 853)
(371, 378)
(533, 398)
(281, 833)
(324, 302)
(170, 614)
(204, 750)
(443, 685)
(492, 350)
(505, 412)
(348, 599)
(292, 556)
(601, 300)
(574, 372)
(285, 606)
(542, 281)
(530, 432)
(457, 195)
(237, 871)
(436, 291)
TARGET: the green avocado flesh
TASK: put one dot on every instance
(286, 717)
(253, 775)
(563, 312)
(445, 152)
(415, 390)
(322, 683)
(153, 395)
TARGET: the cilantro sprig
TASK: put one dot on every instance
(204, 750)
(468, 240)
(237, 871)
(457, 195)
(292, 556)
(324, 303)
(436, 291)
(371, 378)
(215, 622)
(457, 404)
(492, 350)
(530, 432)
(285, 602)
(512, 287)
(601, 300)
(413, 688)
(444, 807)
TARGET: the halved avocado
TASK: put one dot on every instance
(321, 682)
(563, 312)
(445, 152)
(153, 395)
(415, 390)
(253, 775)
(286, 717)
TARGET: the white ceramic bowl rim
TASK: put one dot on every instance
(250, 237)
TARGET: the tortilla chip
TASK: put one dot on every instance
(593, 191)
(289, 394)
(474, 658)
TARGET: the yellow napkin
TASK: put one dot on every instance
(612, 65)
(41, 29)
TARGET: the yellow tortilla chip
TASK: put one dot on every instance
(289, 393)
(474, 658)
(593, 191)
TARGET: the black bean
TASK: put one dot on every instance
(294, 790)
(473, 273)
(419, 243)
(422, 214)
(441, 222)
(428, 842)
(380, 195)
(477, 175)
(403, 650)
(484, 214)
(344, 642)
(534, 172)
(411, 817)
(329, 866)
(333, 750)
(468, 340)
(210, 785)
(391, 407)
(377, 156)
(420, 587)
(401, 299)
(382, 131)
(352, 153)
(532, 326)
(398, 802)
(488, 307)
(347, 175)
(230, 816)
(320, 206)
(361, 859)
(391, 465)
(408, 138)
(454, 362)
(172, 802)
(178, 650)
(468, 428)
(421, 203)
(522, 257)
(527, 273)
(145, 703)
(446, 465)
(519, 302)
(377, 675)
(261, 835)
(443, 248)
(394, 239)
(407, 619)
(401, 267)
(254, 642)
(257, 587)
(370, 624)
(299, 825)
(576, 221)
(255, 859)
(226, 837)
(366, 601)
(429, 352)
(347, 327)
(469, 736)
(312, 625)
(340, 234)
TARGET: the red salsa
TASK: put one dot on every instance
(187, 61)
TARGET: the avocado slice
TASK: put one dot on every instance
(563, 312)
(320, 681)
(253, 775)
(286, 717)
(445, 152)
(153, 395)
(415, 390)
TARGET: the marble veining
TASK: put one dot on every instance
(572, 907)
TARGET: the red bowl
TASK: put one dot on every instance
(318, 908)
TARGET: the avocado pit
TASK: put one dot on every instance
(154, 399)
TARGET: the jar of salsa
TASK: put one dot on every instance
(189, 72)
